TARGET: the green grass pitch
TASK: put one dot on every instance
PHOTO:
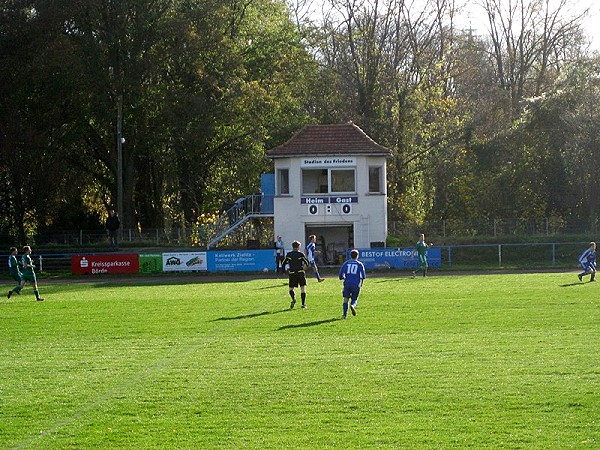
(461, 361)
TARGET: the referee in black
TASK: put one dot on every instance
(296, 264)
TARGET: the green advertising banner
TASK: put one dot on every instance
(151, 263)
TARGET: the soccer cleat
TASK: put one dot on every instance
(414, 274)
(580, 277)
(9, 294)
(304, 307)
(353, 310)
(40, 299)
(321, 279)
(293, 303)
(343, 317)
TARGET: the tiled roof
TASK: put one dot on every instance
(346, 139)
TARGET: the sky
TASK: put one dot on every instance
(473, 16)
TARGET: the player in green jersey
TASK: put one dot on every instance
(422, 247)
(15, 272)
(28, 273)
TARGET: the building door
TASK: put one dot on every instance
(332, 242)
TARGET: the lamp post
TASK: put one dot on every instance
(120, 141)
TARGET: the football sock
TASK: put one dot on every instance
(317, 275)
(17, 288)
(303, 297)
(345, 308)
(292, 294)
(37, 293)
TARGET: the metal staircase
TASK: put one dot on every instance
(243, 210)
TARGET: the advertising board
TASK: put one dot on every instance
(398, 258)
(184, 262)
(241, 261)
(105, 264)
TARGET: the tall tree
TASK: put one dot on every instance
(530, 41)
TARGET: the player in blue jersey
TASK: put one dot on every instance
(587, 260)
(311, 248)
(353, 274)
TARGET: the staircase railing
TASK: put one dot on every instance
(240, 212)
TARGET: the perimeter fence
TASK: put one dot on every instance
(559, 255)
(547, 226)
(260, 230)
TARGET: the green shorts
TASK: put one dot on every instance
(29, 277)
(17, 277)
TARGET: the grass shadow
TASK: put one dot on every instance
(249, 316)
(577, 283)
(275, 286)
(388, 280)
(308, 324)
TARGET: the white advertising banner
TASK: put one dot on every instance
(184, 262)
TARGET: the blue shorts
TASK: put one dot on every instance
(589, 267)
(351, 291)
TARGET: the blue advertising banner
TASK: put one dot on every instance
(397, 258)
(241, 261)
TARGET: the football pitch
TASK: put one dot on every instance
(461, 361)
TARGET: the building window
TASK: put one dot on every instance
(314, 181)
(342, 180)
(328, 181)
(283, 181)
(375, 180)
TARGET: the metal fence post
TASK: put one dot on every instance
(499, 254)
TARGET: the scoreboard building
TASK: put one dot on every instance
(330, 181)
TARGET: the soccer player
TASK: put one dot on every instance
(310, 255)
(28, 273)
(587, 260)
(15, 272)
(296, 263)
(422, 254)
(353, 274)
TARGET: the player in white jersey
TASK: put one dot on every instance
(310, 252)
(587, 261)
